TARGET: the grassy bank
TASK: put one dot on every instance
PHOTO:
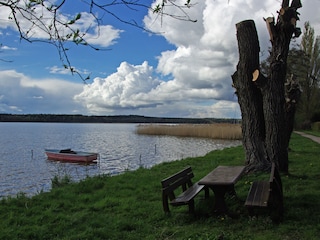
(215, 131)
(315, 133)
(128, 206)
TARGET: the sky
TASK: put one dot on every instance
(182, 69)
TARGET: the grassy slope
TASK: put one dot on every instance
(129, 206)
(316, 133)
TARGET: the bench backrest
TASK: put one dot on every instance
(275, 182)
(180, 179)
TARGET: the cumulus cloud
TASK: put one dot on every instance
(21, 94)
(207, 54)
(136, 87)
(201, 65)
(126, 89)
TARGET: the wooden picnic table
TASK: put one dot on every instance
(222, 180)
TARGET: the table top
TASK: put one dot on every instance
(223, 175)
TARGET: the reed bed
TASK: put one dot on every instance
(215, 131)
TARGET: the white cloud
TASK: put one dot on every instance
(103, 35)
(58, 70)
(201, 66)
(8, 48)
(19, 93)
(126, 89)
(136, 88)
(66, 71)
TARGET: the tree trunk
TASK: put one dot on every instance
(292, 94)
(249, 96)
(262, 100)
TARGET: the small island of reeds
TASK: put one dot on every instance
(226, 131)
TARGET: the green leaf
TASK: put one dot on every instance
(157, 9)
(78, 16)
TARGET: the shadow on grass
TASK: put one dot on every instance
(305, 208)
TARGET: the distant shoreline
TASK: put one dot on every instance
(77, 118)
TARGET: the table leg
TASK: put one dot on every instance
(220, 205)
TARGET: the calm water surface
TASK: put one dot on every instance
(24, 166)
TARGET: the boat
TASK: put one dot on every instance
(69, 155)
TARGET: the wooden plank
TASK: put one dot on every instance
(188, 195)
(258, 194)
(223, 175)
(178, 183)
(185, 172)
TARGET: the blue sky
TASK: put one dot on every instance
(184, 71)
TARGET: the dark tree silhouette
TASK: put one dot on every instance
(262, 98)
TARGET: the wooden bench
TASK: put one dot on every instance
(189, 191)
(267, 194)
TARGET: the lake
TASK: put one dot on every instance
(24, 166)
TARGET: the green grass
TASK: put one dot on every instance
(315, 133)
(129, 206)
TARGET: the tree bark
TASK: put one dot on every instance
(274, 93)
(261, 99)
(292, 94)
(249, 96)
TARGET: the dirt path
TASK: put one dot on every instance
(314, 138)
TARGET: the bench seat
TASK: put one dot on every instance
(259, 194)
(181, 180)
(185, 197)
(267, 194)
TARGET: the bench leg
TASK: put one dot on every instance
(250, 211)
(191, 206)
(276, 210)
(206, 192)
(165, 204)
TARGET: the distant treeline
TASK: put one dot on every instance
(66, 118)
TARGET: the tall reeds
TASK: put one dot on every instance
(215, 131)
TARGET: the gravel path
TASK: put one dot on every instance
(314, 138)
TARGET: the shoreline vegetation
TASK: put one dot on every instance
(225, 131)
(129, 206)
(78, 118)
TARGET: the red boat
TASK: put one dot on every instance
(69, 155)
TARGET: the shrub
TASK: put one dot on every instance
(316, 126)
(60, 181)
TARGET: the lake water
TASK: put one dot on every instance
(24, 166)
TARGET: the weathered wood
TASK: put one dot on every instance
(189, 190)
(222, 180)
(258, 194)
(267, 194)
(270, 26)
(223, 175)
